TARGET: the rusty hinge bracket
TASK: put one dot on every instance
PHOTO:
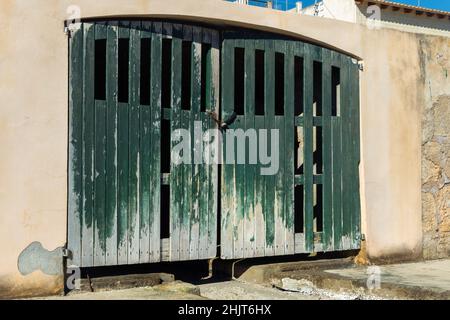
(361, 65)
(66, 253)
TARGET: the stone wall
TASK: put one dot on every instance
(436, 148)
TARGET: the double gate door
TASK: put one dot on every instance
(188, 142)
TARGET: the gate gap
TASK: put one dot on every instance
(239, 80)
(336, 92)
(259, 82)
(318, 150)
(145, 71)
(166, 73)
(298, 85)
(279, 84)
(165, 211)
(206, 77)
(165, 187)
(100, 70)
(318, 208)
(298, 151)
(165, 146)
(122, 76)
(299, 217)
(317, 89)
(186, 69)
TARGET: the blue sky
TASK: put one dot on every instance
(435, 4)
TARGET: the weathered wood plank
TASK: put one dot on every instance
(75, 202)
(196, 126)
(122, 164)
(185, 228)
(355, 132)
(269, 78)
(289, 149)
(228, 196)
(308, 146)
(88, 146)
(279, 183)
(239, 168)
(99, 183)
(176, 182)
(100, 159)
(337, 181)
(346, 151)
(327, 151)
(260, 205)
(111, 143)
(134, 161)
(249, 205)
(155, 132)
(216, 144)
(145, 156)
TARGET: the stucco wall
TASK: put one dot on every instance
(34, 112)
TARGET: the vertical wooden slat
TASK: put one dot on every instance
(155, 192)
(176, 177)
(250, 221)
(186, 175)
(299, 238)
(75, 201)
(111, 144)
(205, 173)
(260, 206)
(227, 219)
(88, 146)
(346, 151)
(337, 181)
(134, 162)
(279, 183)
(269, 78)
(100, 169)
(308, 146)
(239, 174)
(100, 183)
(122, 168)
(288, 164)
(327, 151)
(213, 168)
(145, 157)
(355, 122)
(196, 141)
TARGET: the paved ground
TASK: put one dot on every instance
(237, 290)
(432, 275)
(291, 290)
(321, 280)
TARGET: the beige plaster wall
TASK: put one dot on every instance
(34, 111)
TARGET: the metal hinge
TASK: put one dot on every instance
(360, 237)
(361, 65)
(66, 253)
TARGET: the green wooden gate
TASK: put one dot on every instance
(134, 83)
(127, 203)
(310, 95)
